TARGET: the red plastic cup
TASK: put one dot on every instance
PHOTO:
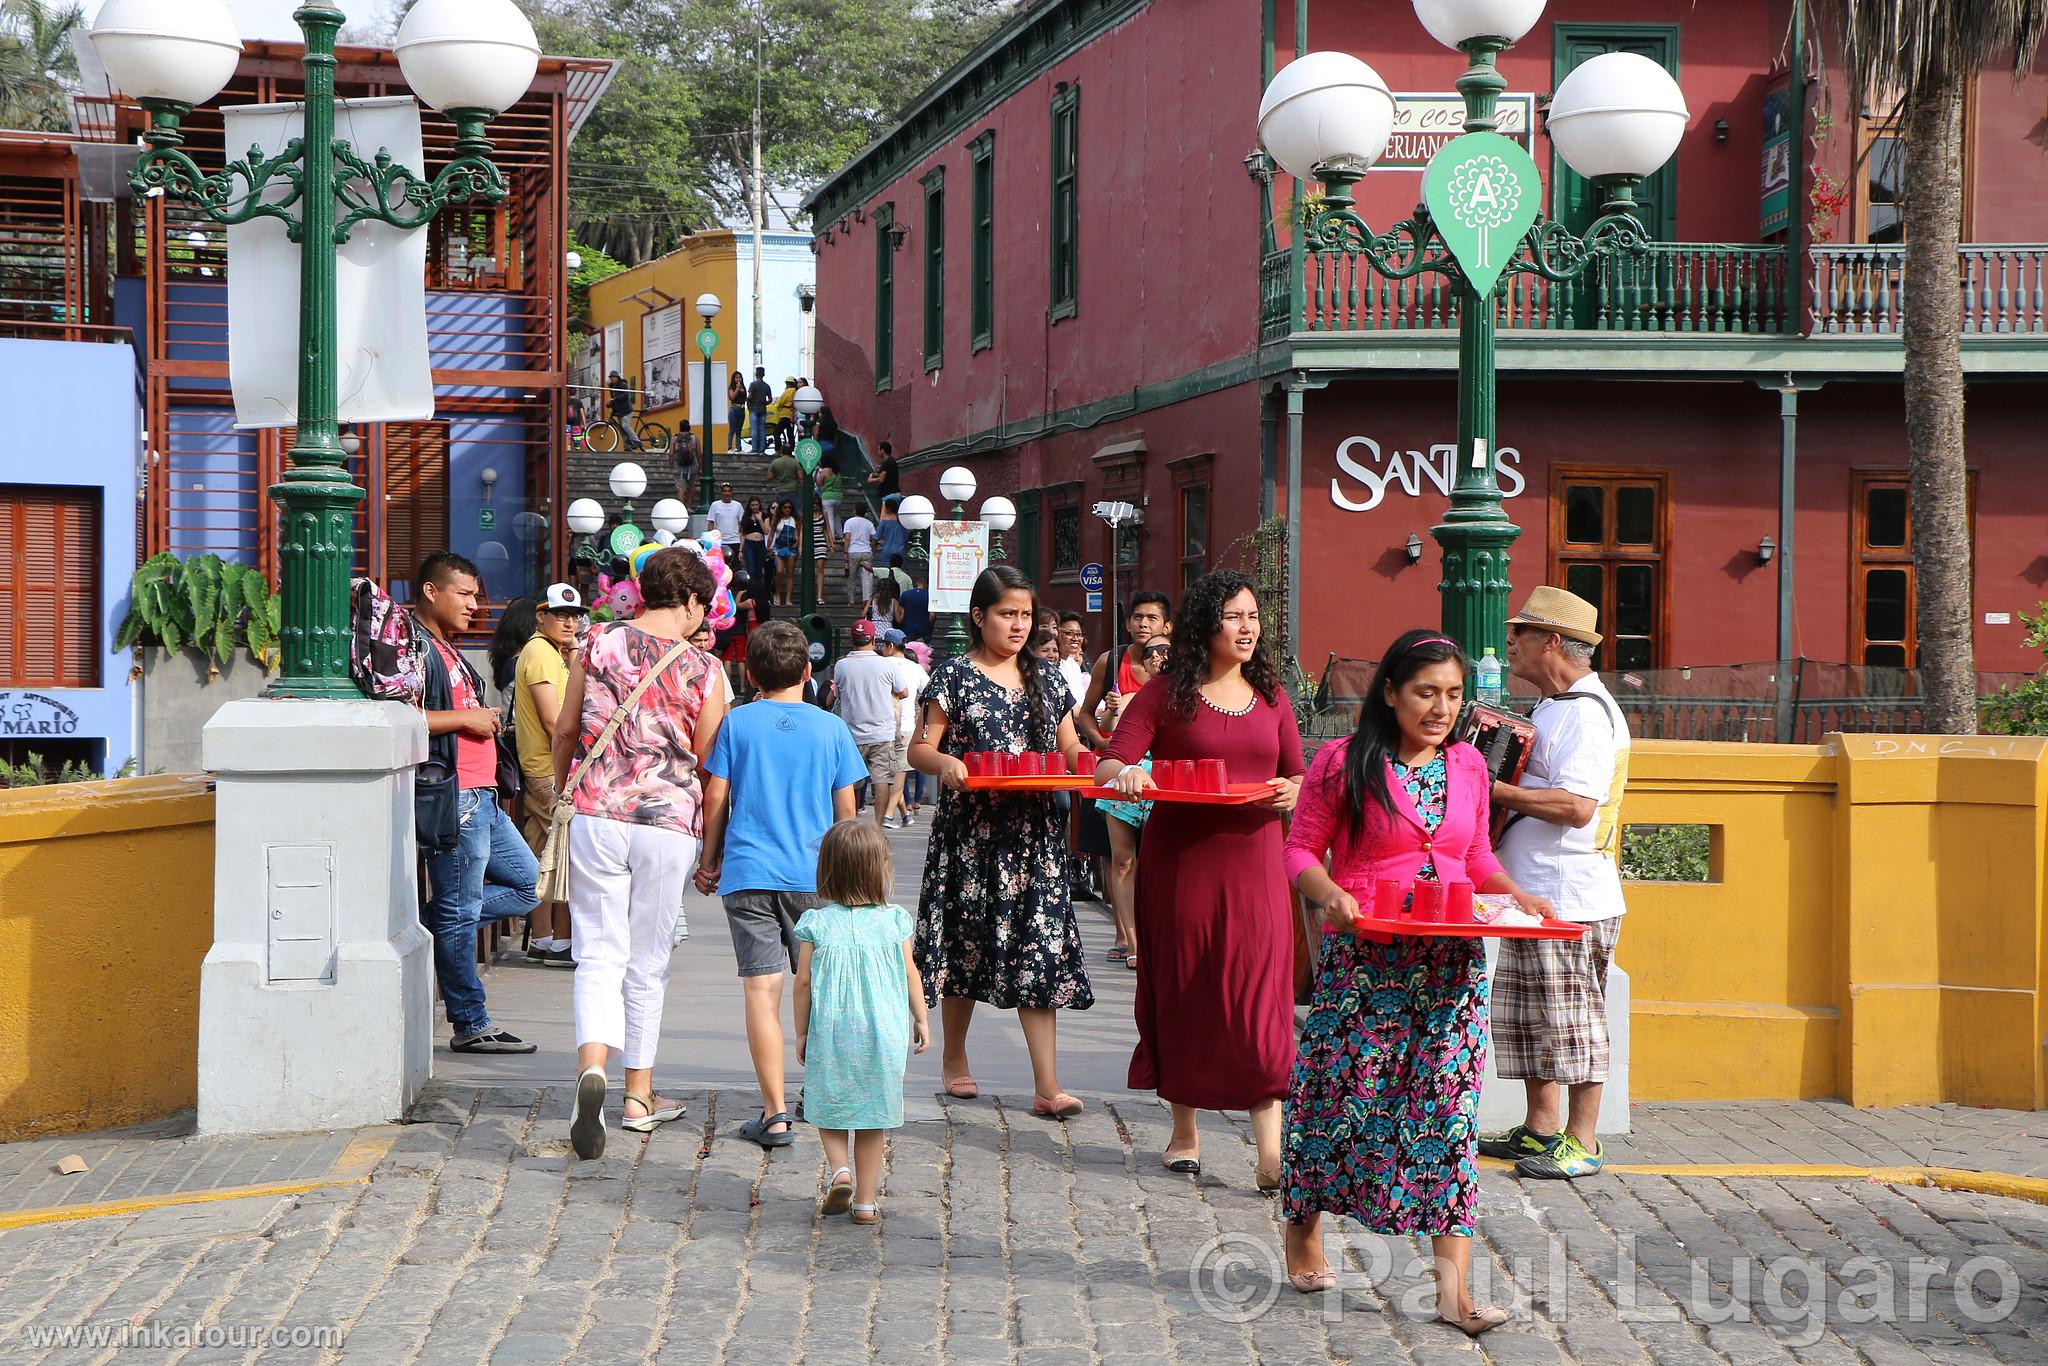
(1003, 765)
(1386, 899)
(1180, 775)
(1429, 901)
(1212, 775)
(1084, 763)
(1052, 763)
(1458, 904)
(978, 762)
(1030, 764)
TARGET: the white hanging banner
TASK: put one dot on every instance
(959, 553)
(380, 282)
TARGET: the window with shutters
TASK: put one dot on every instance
(49, 591)
(1609, 533)
(983, 268)
(1881, 593)
(934, 268)
(1066, 201)
(415, 499)
(885, 296)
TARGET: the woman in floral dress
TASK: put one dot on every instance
(1381, 1114)
(995, 923)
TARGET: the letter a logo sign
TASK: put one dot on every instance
(1483, 191)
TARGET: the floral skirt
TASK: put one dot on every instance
(1382, 1112)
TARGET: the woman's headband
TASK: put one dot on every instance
(1434, 640)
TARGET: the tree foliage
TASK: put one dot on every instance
(669, 148)
(2023, 708)
(206, 604)
(37, 64)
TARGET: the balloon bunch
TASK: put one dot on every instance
(722, 613)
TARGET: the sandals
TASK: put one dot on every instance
(761, 1130)
(1061, 1107)
(1478, 1321)
(963, 1088)
(653, 1119)
(1186, 1163)
(1313, 1282)
(1268, 1183)
(586, 1122)
(838, 1192)
(1117, 953)
(866, 1214)
(1131, 962)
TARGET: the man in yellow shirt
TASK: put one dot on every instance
(782, 412)
(538, 686)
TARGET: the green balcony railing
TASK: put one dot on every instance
(1673, 287)
(1861, 288)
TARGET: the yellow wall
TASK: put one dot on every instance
(706, 264)
(106, 911)
(1876, 931)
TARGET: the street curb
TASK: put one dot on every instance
(352, 1168)
(2004, 1184)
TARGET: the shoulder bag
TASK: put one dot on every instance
(553, 881)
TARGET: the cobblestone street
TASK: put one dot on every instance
(1748, 1233)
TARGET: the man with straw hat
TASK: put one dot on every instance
(1550, 996)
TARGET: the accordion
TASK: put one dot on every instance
(1503, 739)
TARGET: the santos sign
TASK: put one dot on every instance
(1405, 472)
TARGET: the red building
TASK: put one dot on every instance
(1057, 271)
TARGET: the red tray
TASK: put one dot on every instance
(1031, 782)
(1431, 929)
(1240, 794)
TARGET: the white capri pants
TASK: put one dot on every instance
(626, 885)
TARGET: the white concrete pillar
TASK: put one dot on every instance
(316, 1000)
(1502, 1104)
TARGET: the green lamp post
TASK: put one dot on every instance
(999, 514)
(471, 59)
(917, 514)
(707, 342)
(1614, 120)
(809, 402)
(956, 485)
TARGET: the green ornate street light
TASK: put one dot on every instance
(1614, 120)
(957, 486)
(1000, 514)
(917, 514)
(707, 342)
(809, 402)
(470, 59)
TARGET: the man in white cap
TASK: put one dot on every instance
(537, 690)
(1549, 1007)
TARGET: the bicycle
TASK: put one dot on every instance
(605, 435)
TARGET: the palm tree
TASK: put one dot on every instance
(37, 64)
(1928, 50)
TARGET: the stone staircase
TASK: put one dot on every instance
(748, 475)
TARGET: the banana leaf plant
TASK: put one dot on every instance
(205, 604)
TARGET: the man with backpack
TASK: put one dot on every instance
(478, 866)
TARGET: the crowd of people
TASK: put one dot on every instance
(1368, 1110)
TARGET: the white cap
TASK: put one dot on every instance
(563, 597)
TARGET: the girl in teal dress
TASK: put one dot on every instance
(860, 1012)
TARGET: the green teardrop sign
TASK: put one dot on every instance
(808, 454)
(707, 341)
(626, 539)
(1484, 193)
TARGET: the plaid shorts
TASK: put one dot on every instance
(1550, 1006)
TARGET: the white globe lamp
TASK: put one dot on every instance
(182, 51)
(708, 306)
(999, 512)
(670, 515)
(1457, 22)
(1326, 109)
(628, 481)
(956, 484)
(467, 55)
(809, 400)
(916, 513)
(585, 516)
(1617, 114)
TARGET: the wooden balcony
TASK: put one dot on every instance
(1673, 289)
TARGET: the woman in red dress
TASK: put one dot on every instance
(1215, 1001)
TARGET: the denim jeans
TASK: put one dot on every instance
(757, 428)
(488, 875)
(735, 423)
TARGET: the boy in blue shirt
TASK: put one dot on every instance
(788, 771)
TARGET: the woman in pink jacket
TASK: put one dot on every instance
(1380, 1116)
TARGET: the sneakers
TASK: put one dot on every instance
(490, 1041)
(1568, 1161)
(586, 1120)
(1517, 1143)
(895, 823)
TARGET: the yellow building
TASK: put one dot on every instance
(644, 324)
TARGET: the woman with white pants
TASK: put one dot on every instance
(633, 842)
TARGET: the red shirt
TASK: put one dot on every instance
(476, 756)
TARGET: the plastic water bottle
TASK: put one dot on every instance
(1492, 691)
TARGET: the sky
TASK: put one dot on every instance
(273, 18)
